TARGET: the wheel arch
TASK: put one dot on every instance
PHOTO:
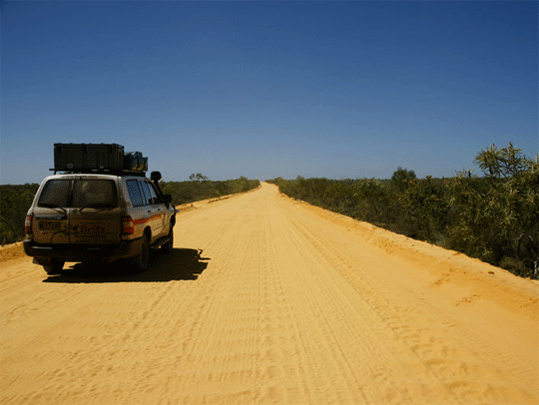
(147, 232)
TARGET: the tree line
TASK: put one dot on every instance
(493, 217)
(201, 188)
(15, 200)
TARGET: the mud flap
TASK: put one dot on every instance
(43, 261)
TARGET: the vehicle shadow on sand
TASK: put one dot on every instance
(180, 264)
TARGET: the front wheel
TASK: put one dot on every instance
(55, 267)
(167, 247)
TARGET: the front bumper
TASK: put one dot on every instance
(83, 253)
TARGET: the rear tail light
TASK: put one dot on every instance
(28, 225)
(127, 225)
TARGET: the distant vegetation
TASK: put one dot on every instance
(200, 188)
(16, 199)
(14, 203)
(494, 217)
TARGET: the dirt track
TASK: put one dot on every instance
(288, 304)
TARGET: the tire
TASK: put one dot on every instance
(142, 260)
(54, 268)
(169, 246)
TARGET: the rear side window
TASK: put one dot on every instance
(79, 193)
(135, 194)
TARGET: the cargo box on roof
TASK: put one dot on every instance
(97, 157)
(88, 156)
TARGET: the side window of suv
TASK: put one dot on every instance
(149, 192)
(135, 195)
(153, 193)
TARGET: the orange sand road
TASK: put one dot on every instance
(288, 304)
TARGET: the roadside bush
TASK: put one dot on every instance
(426, 205)
(494, 218)
(15, 200)
(498, 214)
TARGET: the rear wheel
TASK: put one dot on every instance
(142, 260)
(55, 267)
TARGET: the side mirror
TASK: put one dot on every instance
(156, 176)
(167, 199)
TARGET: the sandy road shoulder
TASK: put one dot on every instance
(11, 251)
(438, 266)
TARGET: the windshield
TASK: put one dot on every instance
(79, 193)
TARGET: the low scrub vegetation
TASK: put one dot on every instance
(16, 199)
(493, 217)
(200, 188)
(14, 203)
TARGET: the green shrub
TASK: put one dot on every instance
(15, 200)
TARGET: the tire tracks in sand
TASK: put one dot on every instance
(290, 305)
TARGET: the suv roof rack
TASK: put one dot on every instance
(114, 172)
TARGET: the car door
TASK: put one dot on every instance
(139, 211)
(51, 213)
(94, 213)
(161, 209)
(154, 208)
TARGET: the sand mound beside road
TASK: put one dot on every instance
(11, 251)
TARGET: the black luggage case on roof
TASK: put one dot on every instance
(88, 156)
(135, 161)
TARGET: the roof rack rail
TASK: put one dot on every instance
(114, 172)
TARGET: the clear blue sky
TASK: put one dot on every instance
(267, 89)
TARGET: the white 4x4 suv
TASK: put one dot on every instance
(89, 217)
